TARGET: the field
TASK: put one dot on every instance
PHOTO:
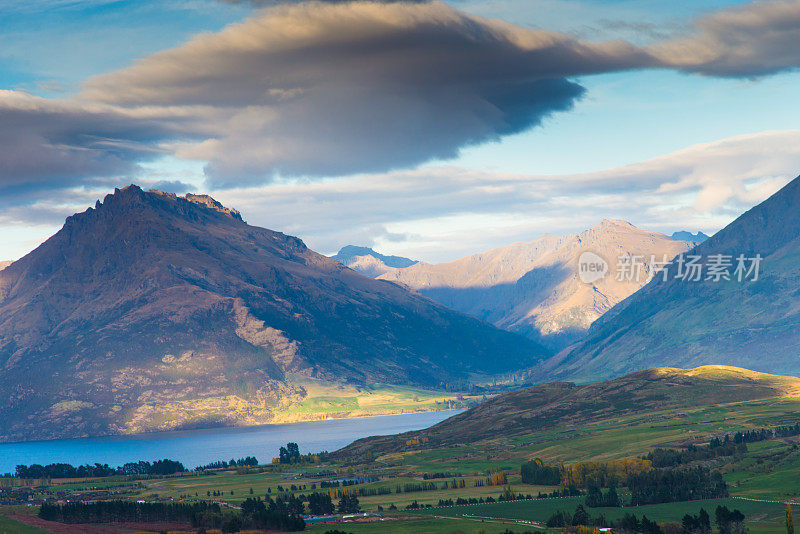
(760, 481)
(322, 399)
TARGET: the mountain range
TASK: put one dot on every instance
(534, 288)
(370, 263)
(152, 311)
(748, 320)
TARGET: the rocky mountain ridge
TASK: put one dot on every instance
(152, 312)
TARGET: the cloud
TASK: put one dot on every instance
(57, 143)
(753, 40)
(445, 212)
(330, 89)
(325, 90)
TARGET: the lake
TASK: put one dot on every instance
(200, 447)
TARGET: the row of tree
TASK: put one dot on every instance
(716, 449)
(255, 514)
(63, 470)
(290, 454)
(675, 485)
(727, 521)
(764, 434)
(596, 498)
(248, 461)
(583, 475)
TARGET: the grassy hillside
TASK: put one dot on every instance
(663, 397)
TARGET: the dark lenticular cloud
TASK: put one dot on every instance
(54, 143)
(327, 89)
(317, 89)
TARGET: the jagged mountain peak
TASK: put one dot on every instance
(133, 194)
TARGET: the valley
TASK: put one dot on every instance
(393, 472)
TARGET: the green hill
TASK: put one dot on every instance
(649, 405)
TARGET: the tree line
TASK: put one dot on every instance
(764, 434)
(63, 470)
(727, 521)
(248, 461)
(675, 485)
(716, 449)
(255, 514)
(584, 474)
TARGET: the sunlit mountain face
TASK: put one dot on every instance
(155, 312)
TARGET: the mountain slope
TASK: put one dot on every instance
(4, 264)
(534, 288)
(153, 311)
(752, 323)
(370, 263)
(564, 405)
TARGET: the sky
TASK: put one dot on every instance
(426, 129)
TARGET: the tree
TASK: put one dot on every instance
(581, 516)
(629, 523)
(699, 524)
(612, 499)
(320, 504)
(348, 504)
(536, 472)
(649, 527)
(789, 519)
(729, 522)
(289, 454)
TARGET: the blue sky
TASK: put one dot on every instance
(50, 48)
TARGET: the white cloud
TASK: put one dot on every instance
(445, 212)
(752, 40)
(329, 89)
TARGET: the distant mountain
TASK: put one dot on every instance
(4, 264)
(152, 311)
(562, 406)
(680, 322)
(368, 262)
(699, 237)
(535, 289)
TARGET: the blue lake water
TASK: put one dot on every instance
(200, 447)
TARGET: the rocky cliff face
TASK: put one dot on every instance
(151, 311)
(535, 288)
